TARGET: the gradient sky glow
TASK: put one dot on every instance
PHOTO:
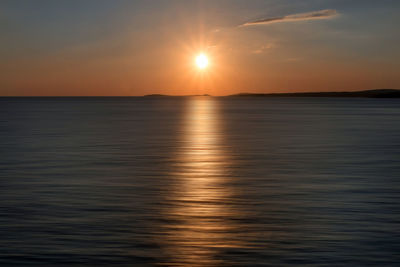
(101, 47)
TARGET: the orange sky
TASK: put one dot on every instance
(140, 48)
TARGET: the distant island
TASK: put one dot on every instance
(377, 93)
(162, 95)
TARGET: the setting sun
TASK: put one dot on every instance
(202, 61)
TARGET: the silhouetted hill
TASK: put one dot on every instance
(378, 93)
(156, 95)
(161, 95)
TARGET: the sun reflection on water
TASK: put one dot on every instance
(199, 217)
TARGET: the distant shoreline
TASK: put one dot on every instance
(376, 93)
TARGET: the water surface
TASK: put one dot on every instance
(200, 181)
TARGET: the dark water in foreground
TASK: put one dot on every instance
(200, 181)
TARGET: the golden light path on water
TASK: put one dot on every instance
(201, 209)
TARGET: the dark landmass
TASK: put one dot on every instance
(161, 95)
(378, 93)
(156, 95)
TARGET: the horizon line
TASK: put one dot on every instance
(193, 95)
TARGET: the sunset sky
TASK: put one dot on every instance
(101, 47)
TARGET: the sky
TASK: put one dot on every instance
(132, 48)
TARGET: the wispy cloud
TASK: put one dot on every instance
(262, 49)
(321, 14)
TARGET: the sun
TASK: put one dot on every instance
(202, 61)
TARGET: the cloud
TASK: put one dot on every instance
(321, 14)
(262, 49)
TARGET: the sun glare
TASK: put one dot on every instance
(202, 61)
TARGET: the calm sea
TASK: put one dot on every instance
(200, 181)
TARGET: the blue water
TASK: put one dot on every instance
(200, 181)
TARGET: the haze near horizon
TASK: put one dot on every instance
(129, 48)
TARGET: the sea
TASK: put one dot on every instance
(199, 181)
